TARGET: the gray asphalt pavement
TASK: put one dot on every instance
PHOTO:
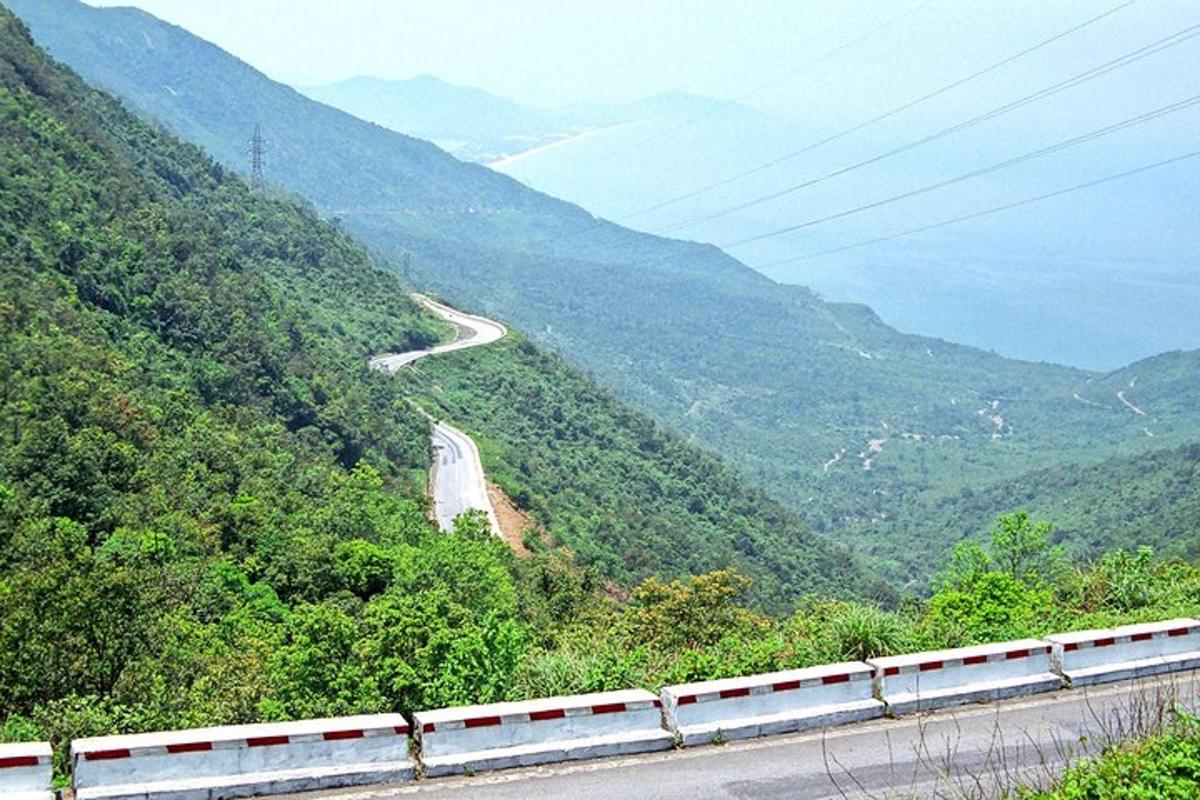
(458, 480)
(473, 331)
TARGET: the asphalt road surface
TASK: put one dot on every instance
(458, 480)
(473, 331)
(971, 752)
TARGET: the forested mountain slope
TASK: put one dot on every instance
(843, 418)
(618, 491)
(211, 503)
(1150, 499)
(212, 511)
(477, 126)
(200, 482)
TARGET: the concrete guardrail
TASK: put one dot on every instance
(25, 771)
(941, 678)
(777, 702)
(1130, 651)
(243, 760)
(500, 735)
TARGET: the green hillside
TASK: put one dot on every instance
(1152, 499)
(847, 421)
(621, 493)
(201, 483)
(212, 511)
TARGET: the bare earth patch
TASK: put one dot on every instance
(513, 521)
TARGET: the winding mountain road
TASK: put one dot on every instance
(473, 331)
(457, 481)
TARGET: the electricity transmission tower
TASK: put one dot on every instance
(256, 158)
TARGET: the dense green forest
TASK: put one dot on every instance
(1149, 499)
(212, 512)
(859, 428)
(268, 307)
(621, 493)
(204, 493)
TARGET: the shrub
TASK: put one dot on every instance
(1163, 767)
(864, 631)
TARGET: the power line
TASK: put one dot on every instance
(597, 222)
(879, 118)
(727, 104)
(1141, 119)
(986, 212)
(1095, 72)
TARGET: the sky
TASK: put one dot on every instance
(550, 52)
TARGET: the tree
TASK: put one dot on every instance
(316, 674)
(1022, 548)
(1018, 547)
(473, 524)
(990, 607)
(691, 613)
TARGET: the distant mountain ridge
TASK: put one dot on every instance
(476, 125)
(1150, 499)
(842, 417)
(465, 120)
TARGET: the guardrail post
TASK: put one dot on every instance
(777, 702)
(941, 678)
(1084, 658)
(242, 760)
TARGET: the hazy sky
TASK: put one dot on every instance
(1109, 272)
(551, 51)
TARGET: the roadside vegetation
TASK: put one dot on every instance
(1016, 585)
(1163, 766)
(212, 512)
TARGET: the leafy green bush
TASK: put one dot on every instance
(1165, 766)
(990, 607)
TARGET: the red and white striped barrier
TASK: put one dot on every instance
(25, 771)
(243, 760)
(941, 678)
(1130, 651)
(501, 735)
(239, 761)
(777, 702)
